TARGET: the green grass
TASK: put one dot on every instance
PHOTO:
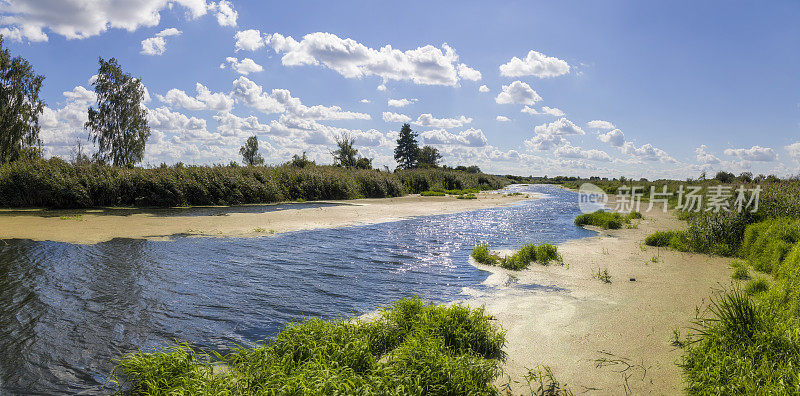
(54, 183)
(467, 196)
(603, 275)
(606, 220)
(521, 259)
(432, 194)
(411, 348)
(740, 273)
(756, 286)
(662, 238)
(76, 217)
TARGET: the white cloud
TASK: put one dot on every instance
(794, 151)
(245, 66)
(600, 124)
(248, 40)
(545, 142)
(559, 127)
(281, 100)
(231, 125)
(395, 117)
(483, 88)
(428, 120)
(364, 100)
(298, 133)
(79, 19)
(502, 118)
(613, 137)
(470, 137)
(381, 87)
(530, 110)
(553, 111)
(568, 151)
(755, 153)
(158, 44)
(204, 100)
(468, 73)
(534, 64)
(518, 92)
(401, 102)
(647, 152)
(226, 15)
(704, 157)
(427, 65)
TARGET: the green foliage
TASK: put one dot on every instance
(55, 183)
(20, 107)
(766, 244)
(521, 259)
(300, 161)
(662, 238)
(345, 154)
(418, 180)
(432, 194)
(428, 157)
(740, 273)
(756, 286)
(407, 151)
(119, 125)
(411, 348)
(603, 275)
(467, 196)
(606, 220)
(249, 152)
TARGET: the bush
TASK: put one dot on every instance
(482, 255)
(663, 238)
(411, 347)
(432, 194)
(467, 196)
(606, 220)
(521, 259)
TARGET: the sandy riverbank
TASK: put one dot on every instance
(92, 227)
(627, 323)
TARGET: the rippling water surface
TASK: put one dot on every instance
(66, 311)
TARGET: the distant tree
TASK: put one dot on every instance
(119, 125)
(428, 157)
(724, 177)
(746, 177)
(407, 151)
(345, 154)
(472, 169)
(300, 162)
(249, 152)
(20, 107)
(364, 163)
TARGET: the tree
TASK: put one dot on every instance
(20, 107)
(407, 151)
(345, 154)
(364, 163)
(300, 162)
(249, 152)
(428, 157)
(119, 125)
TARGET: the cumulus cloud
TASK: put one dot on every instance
(248, 40)
(428, 120)
(614, 137)
(559, 127)
(427, 65)
(553, 111)
(483, 88)
(395, 117)
(79, 19)
(282, 101)
(502, 118)
(647, 152)
(226, 15)
(535, 64)
(545, 142)
(468, 73)
(401, 102)
(296, 132)
(470, 137)
(244, 67)
(794, 151)
(364, 100)
(569, 151)
(600, 124)
(755, 153)
(704, 157)
(158, 44)
(518, 92)
(204, 100)
(231, 125)
(61, 128)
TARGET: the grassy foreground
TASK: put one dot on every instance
(410, 348)
(54, 183)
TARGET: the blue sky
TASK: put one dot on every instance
(611, 87)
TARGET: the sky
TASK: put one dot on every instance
(606, 88)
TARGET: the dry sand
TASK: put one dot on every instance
(92, 227)
(579, 320)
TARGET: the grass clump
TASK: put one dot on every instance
(467, 196)
(411, 348)
(521, 259)
(603, 275)
(740, 273)
(432, 194)
(606, 220)
(756, 286)
(662, 238)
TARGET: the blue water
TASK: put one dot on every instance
(66, 311)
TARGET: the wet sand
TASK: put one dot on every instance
(604, 338)
(91, 227)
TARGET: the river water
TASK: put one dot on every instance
(67, 311)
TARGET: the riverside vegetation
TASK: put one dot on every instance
(606, 220)
(55, 183)
(521, 259)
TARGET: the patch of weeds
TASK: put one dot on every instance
(76, 217)
(542, 382)
(432, 194)
(676, 339)
(756, 286)
(603, 275)
(606, 220)
(467, 196)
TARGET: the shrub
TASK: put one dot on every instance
(606, 220)
(663, 238)
(432, 194)
(482, 255)
(546, 253)
(467, 196)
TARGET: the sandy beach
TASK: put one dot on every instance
(604, 338)
(91, 227)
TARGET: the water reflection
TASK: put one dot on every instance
(66, 311)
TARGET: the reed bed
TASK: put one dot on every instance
(54, 183)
